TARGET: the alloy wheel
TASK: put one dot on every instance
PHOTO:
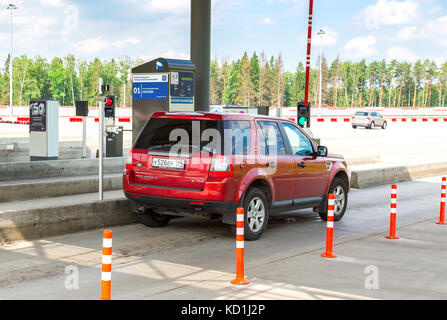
(340, 200)
(256, 214)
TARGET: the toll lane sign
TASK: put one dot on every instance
(38, 116)
(150, 86)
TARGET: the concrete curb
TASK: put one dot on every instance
(57, 188)
(53, 221)
(60, 168)
(362, 179)
(355, 161)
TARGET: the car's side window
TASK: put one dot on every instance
(237, 137)
(271, 141)
(301, 145)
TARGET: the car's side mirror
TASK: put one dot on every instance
(322, 151)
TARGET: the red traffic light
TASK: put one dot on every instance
(109, 102)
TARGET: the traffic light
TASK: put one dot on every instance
(304, 115)
(110, 107)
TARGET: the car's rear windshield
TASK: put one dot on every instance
(362, 114)
(180, 136)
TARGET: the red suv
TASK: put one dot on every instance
(206, 165)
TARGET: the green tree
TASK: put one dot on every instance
(255, 74)
(57, 79)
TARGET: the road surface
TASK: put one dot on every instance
(190, 259)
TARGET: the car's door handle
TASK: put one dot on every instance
(302, 165)
(271, 164)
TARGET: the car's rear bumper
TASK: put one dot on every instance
(183, 205)
(361, 124)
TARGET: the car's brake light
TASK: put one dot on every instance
(129, 161)
(221, 167)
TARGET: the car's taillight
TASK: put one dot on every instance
(221, 167)
(129, 161)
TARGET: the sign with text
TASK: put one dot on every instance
(182, 87)
(38, 116)
(150, 86)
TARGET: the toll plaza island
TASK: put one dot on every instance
(260, 202)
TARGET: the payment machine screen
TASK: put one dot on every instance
(182, 87)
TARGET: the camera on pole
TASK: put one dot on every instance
(304, 115)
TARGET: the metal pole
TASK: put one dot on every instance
(321, 79)
(11, 108)
(101, 141)
(321, 33)
(309, 48)
(200, 51)
(84, 137)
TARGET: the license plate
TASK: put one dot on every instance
(168, 164)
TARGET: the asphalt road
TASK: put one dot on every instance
(401, 143)
(190, 259)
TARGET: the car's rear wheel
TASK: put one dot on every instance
(151, 219)
(256, 210)
(385, 125)
(354, 127)
(340, 190)
(372, 125)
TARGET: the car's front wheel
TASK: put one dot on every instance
(150, 218)
(340, 190)
(385, 125)
(256, 210)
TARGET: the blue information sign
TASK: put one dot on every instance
(150, 86)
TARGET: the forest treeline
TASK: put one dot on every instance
(249, 81)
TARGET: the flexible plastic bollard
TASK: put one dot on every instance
(240, 230)
(106, 279)
(330, 228)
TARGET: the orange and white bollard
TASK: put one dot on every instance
(240, 231)
(393, 218)
(330, 228)
(106, 279)
(443, 198)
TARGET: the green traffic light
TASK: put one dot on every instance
(303, 121)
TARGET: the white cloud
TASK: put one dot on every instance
(52, 3)
(390, 12)
(175, 7)
(400, 54)
(268, 21)
(436, 29)
(408, 33)
(360, 47)
(92, 46)
(329, 39)
(172, 54)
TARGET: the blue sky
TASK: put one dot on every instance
(371, 29)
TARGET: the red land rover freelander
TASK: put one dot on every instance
(207, 165)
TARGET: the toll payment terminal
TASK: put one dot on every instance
(161, 85)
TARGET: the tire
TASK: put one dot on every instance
(254, 230)
(354, 127)
(153, 220)
(385, 125)
(372, 126)
(338, 185)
